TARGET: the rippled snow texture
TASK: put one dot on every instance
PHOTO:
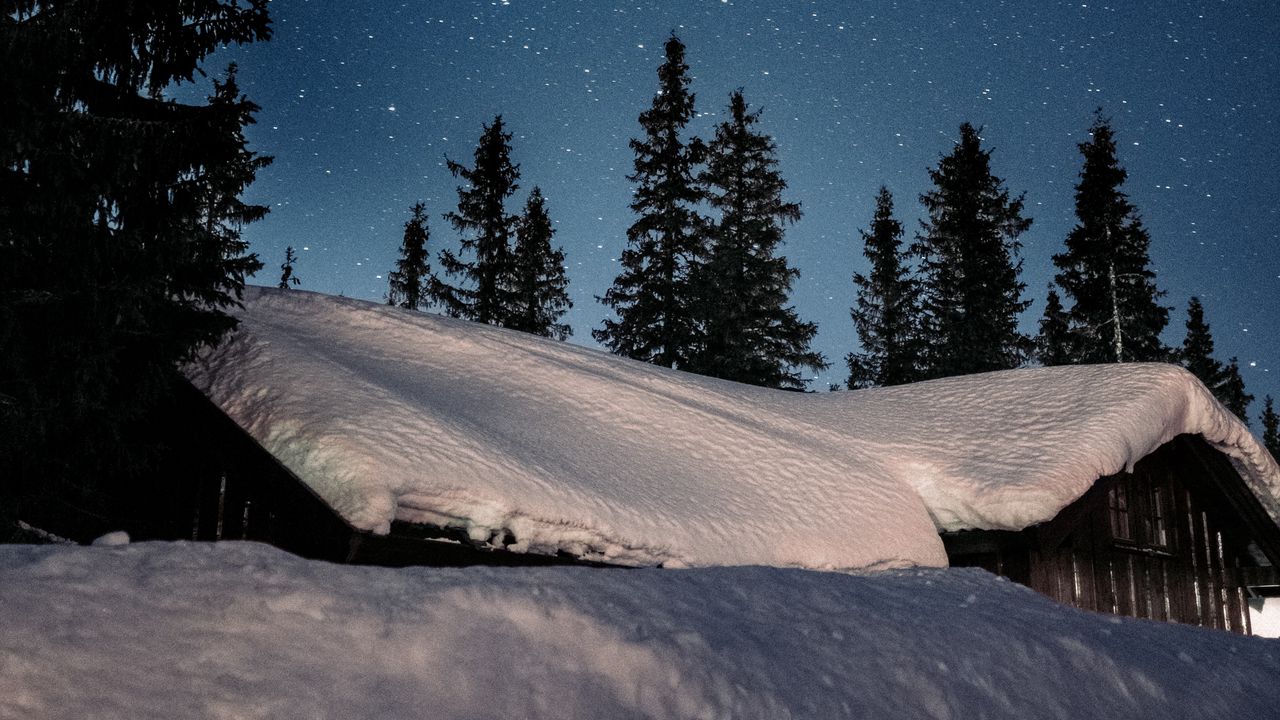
(391, 414)
(241, 630)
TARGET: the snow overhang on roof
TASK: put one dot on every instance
(391, 414)
(1007, 450)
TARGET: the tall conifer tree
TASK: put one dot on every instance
(1196, 353)
(409, 285)
(968, 248)
(1270, 427)
(749, 332)
(652, 295)
(1053, 344)
(222, 213)
(120, 227)
(483, 263)
(1233, 394)
(885, 311)
(539, 286)
(1115, 315)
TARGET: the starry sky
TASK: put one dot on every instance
(363, 101)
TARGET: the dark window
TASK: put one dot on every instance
(1118, 501)
(1158, 515)
(1140, 510)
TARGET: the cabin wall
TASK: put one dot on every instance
(1161, 543)
(215, 482)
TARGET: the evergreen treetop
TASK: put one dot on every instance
(971, 295)
(749, 333)
(223, 214)
(1053, 344)
(1196, 353)
(1105, 270)
(885, 311)
(1233, 394)
(652, 294)
(409, 285)
(539, 286)
(484, 294)
(1270, 428)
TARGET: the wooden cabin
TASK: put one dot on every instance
(355, 395)
(1181, 538)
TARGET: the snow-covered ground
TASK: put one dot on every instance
(241, 630)
(390, 414)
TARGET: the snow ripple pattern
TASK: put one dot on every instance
(391, 414)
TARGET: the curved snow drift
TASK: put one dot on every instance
(391, 414)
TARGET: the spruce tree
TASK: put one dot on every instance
(120, 224)
(1053, 344)
(971, 294)
(1196, 354)
(484, 293)
(1233, 394)
(652, 295)
(1270, 428)
(886, 311)
(409, 284)
(287, 278)
(749, 332)
(539, 286)
(221, 211)
(1105, 270)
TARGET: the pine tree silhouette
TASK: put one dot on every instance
(1053, 344)
(409, 284)
(1270, 428)
(885, 313)
(1105, 270)
(971, 295)
(1196, 353)
(483, 263)
(652, 296)
(748, 331)
(538, 282)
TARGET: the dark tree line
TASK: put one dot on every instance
(505, 271)
(950, 305)
(120, 219)
(956, 311)
(703, 288)
(701, 291)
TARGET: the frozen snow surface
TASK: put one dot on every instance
(241, 630)
(390, 414)
(1007, 450)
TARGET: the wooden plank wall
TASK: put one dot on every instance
(1194, 578)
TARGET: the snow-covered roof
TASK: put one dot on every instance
(390, 414)
(1007, 450)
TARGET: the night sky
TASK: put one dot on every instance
(362, 102)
